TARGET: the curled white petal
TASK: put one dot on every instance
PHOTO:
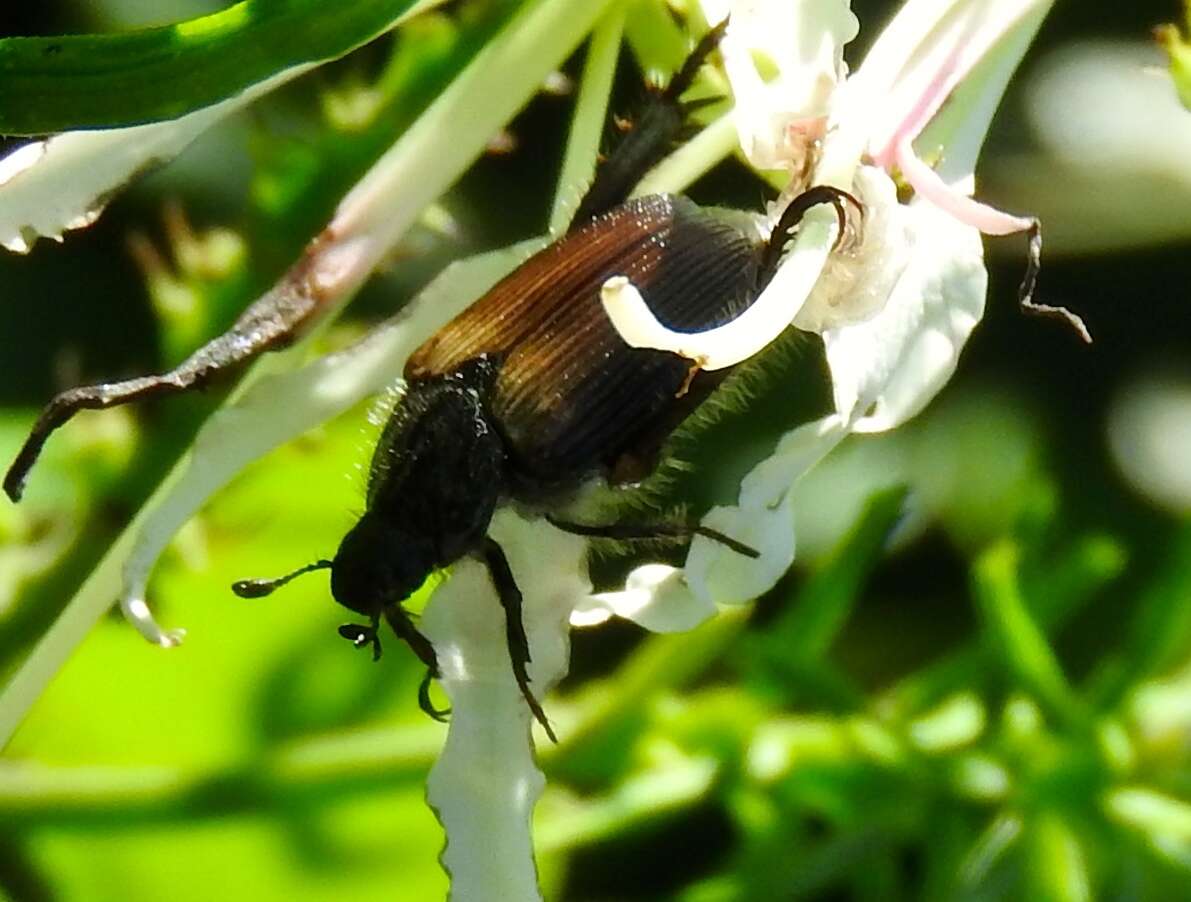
(655, 596)
(718, 574)
(137, 612)
(797, 452)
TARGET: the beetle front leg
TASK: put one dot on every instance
(663, 122)
(399, 621)
(270, 323)
(518, 642)
(630, 531)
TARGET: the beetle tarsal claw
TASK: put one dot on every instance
(424, 702)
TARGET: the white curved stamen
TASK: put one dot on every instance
(752, 330)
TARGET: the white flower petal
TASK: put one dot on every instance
(857, 281)
(655, 596)
(930, 63)
(777, 119)
(764, 520)
(797, 452)
(718, 574)
(885, 369)
(484, 785)
(63, 183)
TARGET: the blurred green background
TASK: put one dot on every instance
(976, 683)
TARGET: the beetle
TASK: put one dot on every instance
(528, 394)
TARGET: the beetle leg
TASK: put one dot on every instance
(363, 636)
(650, 138)
(424, 702)
(402, 624)
(399, 620)
(629, 531)
(518, 642)
(771, 256)
(270, 323)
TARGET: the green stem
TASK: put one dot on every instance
(591, 109)
(638, 801)
(358, 762)
(1014, 631)
(693, 159)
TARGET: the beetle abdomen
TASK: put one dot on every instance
(570, 396)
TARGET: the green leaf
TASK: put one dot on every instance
(1027, 655)
(793, 646)
(1055, 869)
(1162, 820)
(1160, 634)
(813, 622)
(1070, 581)
(53, 84)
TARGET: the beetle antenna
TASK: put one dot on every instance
(259, 588)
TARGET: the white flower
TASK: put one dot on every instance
(896, 305)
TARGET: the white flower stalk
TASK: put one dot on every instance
(484, 785)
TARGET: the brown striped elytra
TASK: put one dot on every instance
(570, 397)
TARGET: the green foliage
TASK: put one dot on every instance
(97, 81)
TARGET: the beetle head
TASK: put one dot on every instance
(378, 564)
